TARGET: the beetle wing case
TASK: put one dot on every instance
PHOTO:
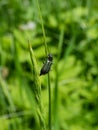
(47, 65)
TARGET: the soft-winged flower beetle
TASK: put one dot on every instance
(47, 65)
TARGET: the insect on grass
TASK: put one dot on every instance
(47, 65)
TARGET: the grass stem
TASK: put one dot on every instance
(56, 125)
(43, 30)
(46, 51)
(49, 90)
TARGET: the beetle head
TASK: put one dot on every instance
(50, 57)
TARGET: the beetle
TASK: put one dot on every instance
(47, 65)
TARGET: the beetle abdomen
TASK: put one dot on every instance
(46, 68)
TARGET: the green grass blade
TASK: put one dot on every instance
(10, 101)
(56, 114)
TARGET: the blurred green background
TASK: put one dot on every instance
(75, 23)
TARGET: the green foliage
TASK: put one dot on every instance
(72, 37)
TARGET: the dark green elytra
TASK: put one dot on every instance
(47, 65)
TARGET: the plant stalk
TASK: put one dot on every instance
(46, 52)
